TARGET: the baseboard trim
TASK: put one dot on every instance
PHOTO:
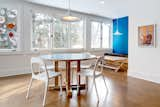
(11, 72)
(144, 77)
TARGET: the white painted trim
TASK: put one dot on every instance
(143, 76)
(18, 53)
(16, 71)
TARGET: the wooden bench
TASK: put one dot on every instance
(116, 62)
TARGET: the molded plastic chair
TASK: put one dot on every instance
(96, 72)
(42, 74)
(49, 65)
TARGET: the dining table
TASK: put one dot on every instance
(68, 58)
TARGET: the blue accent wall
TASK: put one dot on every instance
(120, 42)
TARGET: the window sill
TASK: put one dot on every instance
(17, 52)
(100, 49)
(10, 52)
(7, 50)
(59, 50)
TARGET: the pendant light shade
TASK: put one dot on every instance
(69, 17)
(117, 33)
(117, 30)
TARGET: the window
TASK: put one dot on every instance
(100, 35)
(59, 32)
(41, 30)
(105, 35)
(76, 33)
(96, 35)
(54, 33)
(8, 29)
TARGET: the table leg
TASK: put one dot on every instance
(78, 70)
(68, 85)
(56, 70)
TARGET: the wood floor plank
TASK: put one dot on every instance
(123, 92)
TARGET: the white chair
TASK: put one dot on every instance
(96, 72)
(48, 66)
(43, 75)
(82, 66)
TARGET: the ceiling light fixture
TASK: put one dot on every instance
(69, 17)
(117, 29)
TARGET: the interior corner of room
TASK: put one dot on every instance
(120, 39)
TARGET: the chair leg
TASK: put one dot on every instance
(86, 83)
(72, 75)
(30, 84)
(45, 93)
(60, 84)
(104, 82)
(77, 84)
(94, 83)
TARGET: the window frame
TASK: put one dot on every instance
(87, 19)
(50, 42)
(101, 34)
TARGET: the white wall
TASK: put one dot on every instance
(14, 63)
(144, 63)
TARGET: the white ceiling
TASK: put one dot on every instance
(111, 8)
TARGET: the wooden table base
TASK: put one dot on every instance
(68, 58)
(74, 87)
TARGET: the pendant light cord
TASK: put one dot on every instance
(69, 17)
(69, 7)
(117, 24)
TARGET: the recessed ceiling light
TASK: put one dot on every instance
(101, 1)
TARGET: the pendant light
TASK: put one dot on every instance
(117, 30)
(69, 17)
